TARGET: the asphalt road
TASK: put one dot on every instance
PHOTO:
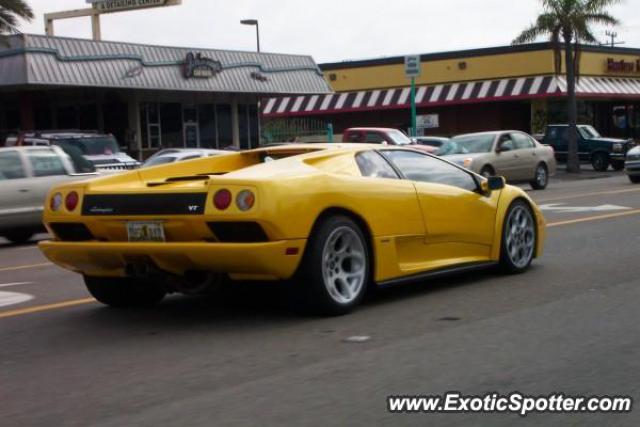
(569, 325)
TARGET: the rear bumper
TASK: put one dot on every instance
(268, 261)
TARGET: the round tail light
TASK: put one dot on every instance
(56, 202)
(71, 201)
(222, 199)
(245, 200)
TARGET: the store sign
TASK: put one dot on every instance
(428, 121)
(106, 6)
(623, 66)
(197, 66)
(412, 66)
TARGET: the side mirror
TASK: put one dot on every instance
(503, 148)
(493, 183)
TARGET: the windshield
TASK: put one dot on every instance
(588, 132)
(466, 144)
(162, 160)
(399, 138)
(92, 146)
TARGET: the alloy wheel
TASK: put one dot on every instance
(520, 236)
(344, 265)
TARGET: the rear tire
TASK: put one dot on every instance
(18, 236)
(635, 179)
(541, 180)
(519, 238)
(335, 270)
(600, 162)
(124, 292)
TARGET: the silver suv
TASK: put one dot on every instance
(101, 150)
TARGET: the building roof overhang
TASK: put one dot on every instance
(524, 88)
(40, 61)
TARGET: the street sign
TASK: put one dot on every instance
(108, 6)
(412, 66)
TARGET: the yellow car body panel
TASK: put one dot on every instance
(412, 227)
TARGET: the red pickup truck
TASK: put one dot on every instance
(387, 136)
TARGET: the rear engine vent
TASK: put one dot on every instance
(71, 232)
(238, 232)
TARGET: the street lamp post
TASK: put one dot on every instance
(253, 22)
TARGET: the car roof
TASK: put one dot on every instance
(364, 129)
(28, 148)
(492, 132)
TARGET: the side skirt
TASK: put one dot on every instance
(434, 274)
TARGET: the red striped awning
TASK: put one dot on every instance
(447, 94)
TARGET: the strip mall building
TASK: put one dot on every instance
(512, 87)
(149, 97)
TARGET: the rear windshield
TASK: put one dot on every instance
(92, 146)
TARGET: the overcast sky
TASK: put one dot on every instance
(329, 30)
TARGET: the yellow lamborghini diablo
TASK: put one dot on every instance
(333, 218)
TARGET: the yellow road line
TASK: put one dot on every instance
(578, 196)
(594, 218)
(25, 267)
(48, 307)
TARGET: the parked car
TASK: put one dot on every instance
(512, 154)
(172, 155)
(432, 141)
(102, 150)
(601, 152)
(26, 175)
(387, 136)
(632, 165)
(248, 218)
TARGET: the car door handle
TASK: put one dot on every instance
(24, 190)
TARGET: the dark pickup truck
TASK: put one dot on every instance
(592, 147)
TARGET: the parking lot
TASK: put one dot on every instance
(243, 357)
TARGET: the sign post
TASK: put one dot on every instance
(413, 69)
(101, 7)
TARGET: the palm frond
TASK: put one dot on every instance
(597, 6)
(602, 18)
(19, 8)
(529, 35)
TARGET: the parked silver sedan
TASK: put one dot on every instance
(512, 154)
(26, 175)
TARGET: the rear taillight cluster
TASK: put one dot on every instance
(71, 201)
(223, 199)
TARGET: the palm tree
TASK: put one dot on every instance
(568, 24)
(10, 12)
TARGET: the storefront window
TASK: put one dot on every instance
(225, 129)
(207, 122)
(243, 119)
(171, 116)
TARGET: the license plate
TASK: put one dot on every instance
(145, 232)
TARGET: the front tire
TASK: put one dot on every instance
(519, 238)
(336, 267)
(487, 172)
(541, 180)
(18, 237)
(600, 162)
(124, 292)
(635, 179)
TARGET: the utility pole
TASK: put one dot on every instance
(613, 35)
